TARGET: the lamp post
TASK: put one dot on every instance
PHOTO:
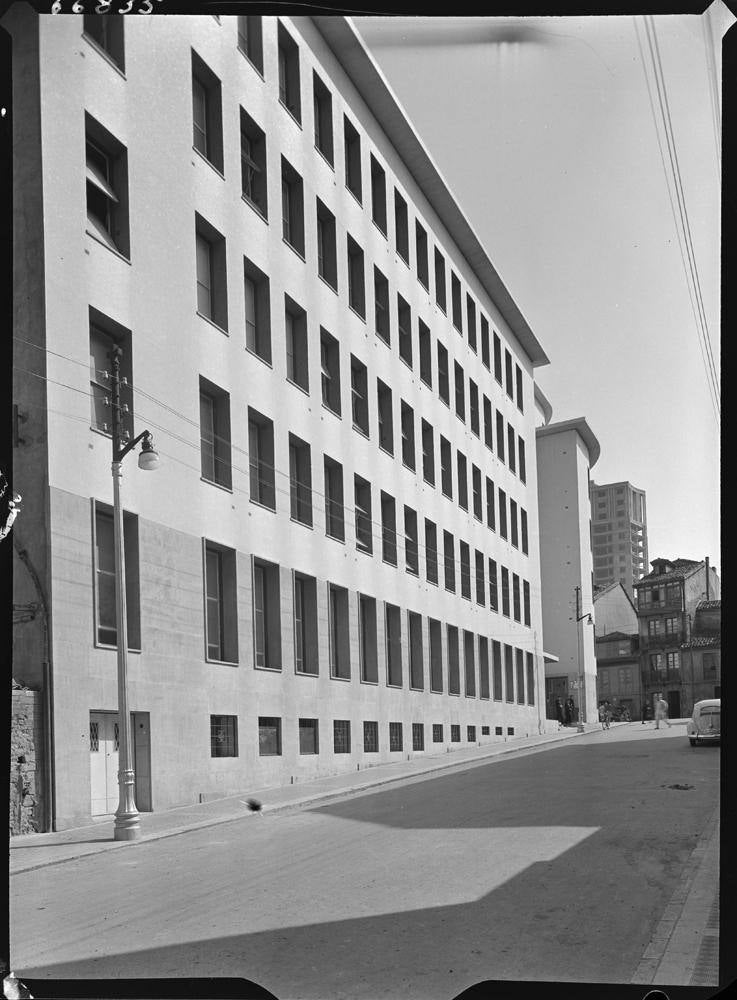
(127, 820)
(581, 700)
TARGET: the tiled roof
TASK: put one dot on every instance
(709, 606)
(681, 569)
(611, 636)
(703, 642)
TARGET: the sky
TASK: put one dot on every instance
(546, 134)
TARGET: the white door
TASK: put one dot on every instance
(104, 762)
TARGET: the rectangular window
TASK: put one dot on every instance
(454, 670)
(288, 59)
(381, 306)
(352, 158)
(526, 601)
(520, 403)
(356, 285)
(483, 668)
(292, 203)
(496, 659)
(107, 32)
(261, 459)
(509, 674)
(478, 506)
(455, 294)
(469, 662)
(102, 343)
(212, 296)
(440, 287)
(388, 529)
(258, 311)
(436, 655)
(502, 513)
(493, 586)
(395, 737)
(523, 529)
(340, 646)
(401, 225)
(522, 463)
(295, 331)
(300, 480)
(520, 662)
(269, 736)
(462, 468)
(490, 505)
(437, 732)
(465, 553)
(500, 435)
(505, 591)
(485, 356)
(443, 375)
(322, 101)
(253, 164)
(207, 114)
(418, 736)
(511, 450)
(509, 373)
(513, 522)
(106, 628)
(378, 195)
(455, 733)
(334, 511)
(516, 609)
(359, 396)
(221, 610)
(428, 453)
(530, 678)
(364, 527)
(431, 551)
(306, 658)
(266, 615)
(367, 639)
(411, 550)
(250, 40)
(327, 250)
(425, 354)
(416, 662)
(408, 435)
(384, 410)
(215, 434)
(308, 736)
(480, 577)
(497, 358)
(223, 733)
(393, 645)
(473, 406)
(330, 371)
(404, 322)
(460, 392)
(471, 734)
(446, 470)
(341, 736)
(449, 561)
(423, 272)
(488, 422)
(371, 737)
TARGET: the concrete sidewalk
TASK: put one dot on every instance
(38, 850)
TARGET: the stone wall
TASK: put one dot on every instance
(26, 762)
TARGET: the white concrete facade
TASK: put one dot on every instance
(151, 293)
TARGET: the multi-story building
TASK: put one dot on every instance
(616, 639)
(701, 654)
(337, 562)
(566, 451)
(619, 534)
(667, 599)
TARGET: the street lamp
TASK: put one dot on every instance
(127, 819)
(581, 700)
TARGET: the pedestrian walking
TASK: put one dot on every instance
(661, 712)
(559, 712)
(607, 715)
(645, 712)
(602, 715)
(568, 711)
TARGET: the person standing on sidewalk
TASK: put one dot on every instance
(569, 710)
(559, 712)
(661, 711)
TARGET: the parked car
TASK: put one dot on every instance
(704, 726)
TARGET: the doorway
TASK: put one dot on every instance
(674, 704)
(555, 687)
(104, 761)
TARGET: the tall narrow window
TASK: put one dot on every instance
(505, 591)
(253, 164)
(446, 471)
(395, 736)
(408, 435)
(462, 480)
(107, 186)
(449, 562)
(460, 392)
(480, 577)
(309, 736)
(454, 671)
(257, 310)
(523, 529)
(500, 435)
(378, 195)
(509, 373)
(455, 294)
(440, 286)
(511, 449)
(370, 736)
(401, 226)
(381, 306)
(266, 615)
(493, 589)
(334, 511)
(431, 552)
(530, 678)
(416, 664)
(322, 101)
(327, 251)
(106, 629)
(497, 358)
(340, 646)
(330, 371)
(428, 453)
(393, 645)
(478, 506)
(465, 554)
(473, 406)
(250, 40)
(404, 323)
(483, 667)
(102, 342)
(485, 355)
(364, 526)
(411, 551)
(292, 204)
(471, 322)
(388, 529)
(359, 396)
(300, 480)
(443, 376)
(520, 664)
(469, 663)
(508, 673)
(295, 329)
(356, 285)
(352, 158)
(514, 532)
(496, 658)
(423, 272)
(367, 639)
(516, 606)
(215, 434)
(341, 736)
(526, 602)
(261, 459)
(212, 299)
(384, 410)
(306, 660)
(502, 513)
(107, 32)
(522, 461)
(490, 505)
(288, 58)
(434, 629)
(425, 353)
(520, 401)
(207, 115)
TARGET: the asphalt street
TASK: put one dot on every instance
(553, 866)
